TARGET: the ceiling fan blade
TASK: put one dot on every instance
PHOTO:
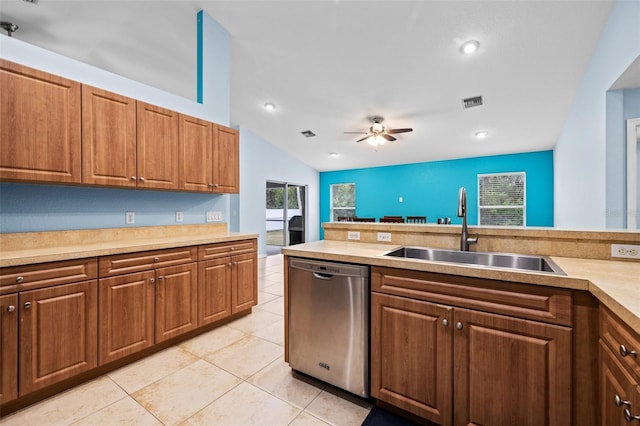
(388, 137)
(365, 138)
(394, 131)
(356, 133)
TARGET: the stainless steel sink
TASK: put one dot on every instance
(494, 260)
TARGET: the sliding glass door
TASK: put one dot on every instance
(285, 215)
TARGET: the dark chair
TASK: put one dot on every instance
(364, 219)
(416, 219)
(345, 218)
(391, 219)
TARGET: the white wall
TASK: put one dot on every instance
(580, 153)
(260, 161)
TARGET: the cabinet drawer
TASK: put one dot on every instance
(622, 340)
(142, 261)
(215, 251)
(547, 304)
(28, 277)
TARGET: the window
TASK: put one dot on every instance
(501, 200)
(343, 200)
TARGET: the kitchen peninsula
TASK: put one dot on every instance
(464, 344)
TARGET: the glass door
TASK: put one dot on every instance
(285, 215)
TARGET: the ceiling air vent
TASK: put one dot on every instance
(308, 133)
(472, 102)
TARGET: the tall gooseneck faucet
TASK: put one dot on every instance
(465, 240)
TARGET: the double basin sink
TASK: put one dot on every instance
(494, 260)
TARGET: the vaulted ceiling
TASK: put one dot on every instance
(328, 65)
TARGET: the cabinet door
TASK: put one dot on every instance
(108, 138)
(226, 160)
(244, 294)
(214, 290)
(510, 371)
(58, 333)
(9, 348)
(39, 126)
(157, 154)
(176, 300)
(126, 315)
(196, 166)
(618, 390)
(411, 364)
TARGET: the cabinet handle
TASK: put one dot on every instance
(459, 325)
(11, 308)
(229, 264)
(141, 179)
(27, 305)
(233, 248)
(624, 352)
(160, 278)
(152, 280)
(630, 417)
(445, 322)
(216, 185)
(619, 401)
(133, 178)
(19, 279)
(156, 259)
(211, 185)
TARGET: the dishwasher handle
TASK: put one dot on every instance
(322, 276)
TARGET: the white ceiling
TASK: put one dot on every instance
(330, 64)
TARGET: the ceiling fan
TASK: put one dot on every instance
(377, 135)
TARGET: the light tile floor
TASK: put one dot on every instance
(232, 375)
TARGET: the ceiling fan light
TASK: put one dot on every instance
(482, 134)
(269, 106)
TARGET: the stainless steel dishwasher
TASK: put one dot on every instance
(329, 322)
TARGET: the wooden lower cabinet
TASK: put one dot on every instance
(465, 367)
(58, 333)
(126, 312)
(214, 290)
(619, 391)
(9, 347)
(244, 292)
(176, 300)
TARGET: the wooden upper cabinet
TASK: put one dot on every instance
(157, 147)
(108, 138)
(40, 129)
(226, 160)
(196, 166)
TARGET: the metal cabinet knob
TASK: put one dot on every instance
(11, 308)
(216, 185)
(141, 179)
(160, 278)
(619, 401)
(445, 322)
(624, 352)
(459, 325)
(156, 259)
(229, 264)
(19, 279)
(630, 417)
(133, 178)
(233, 248)
(152, 280)
(27, 305)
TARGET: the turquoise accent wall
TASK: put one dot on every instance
(431, 189)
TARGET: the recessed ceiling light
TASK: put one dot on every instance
(333, 154)
(269, 106)
(469, 46)
(482, 134)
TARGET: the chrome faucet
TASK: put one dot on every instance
(465, 239)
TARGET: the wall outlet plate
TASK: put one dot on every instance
(179, 217)
(353, 235)
(625, 251)
(384, 236)
(130, 218)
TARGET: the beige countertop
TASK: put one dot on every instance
(39, 247)
(614, 283)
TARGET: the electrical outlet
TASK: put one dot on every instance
(130, 218)
(353, 235)
(384, 236)
(179, 217)
(625, 251)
